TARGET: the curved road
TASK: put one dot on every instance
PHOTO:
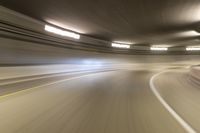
(104, 102)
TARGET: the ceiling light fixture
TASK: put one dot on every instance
(190, 33)
(62, 32)
(119, 45)
(159, 48)
(193, 48)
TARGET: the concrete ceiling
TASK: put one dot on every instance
(142, 22)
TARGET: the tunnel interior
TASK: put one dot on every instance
(99, 66)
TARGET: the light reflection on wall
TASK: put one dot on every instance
(69, 27)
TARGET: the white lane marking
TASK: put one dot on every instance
(178, 118)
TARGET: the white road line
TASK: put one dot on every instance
(178, 118)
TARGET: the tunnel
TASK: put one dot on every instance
(99, 66)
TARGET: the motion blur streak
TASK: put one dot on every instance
(61, 32)
(55, 84)
(96, 101)
(117, 45)
(159, 49)
(193, 48)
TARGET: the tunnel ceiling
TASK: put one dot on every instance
(144, 22)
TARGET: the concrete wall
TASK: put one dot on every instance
(23, 71)
(26, 49)
(195, 74)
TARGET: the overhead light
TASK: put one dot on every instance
(68, 26)
(119, 45)
(189, 33)
(123, 42)
(62, 32)
(193, 48)
(159, 48)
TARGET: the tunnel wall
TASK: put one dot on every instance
(25, 71)
(23, 41)
(195, 74)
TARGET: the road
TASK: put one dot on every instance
(119, 101)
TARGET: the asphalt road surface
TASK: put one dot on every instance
(118, 101)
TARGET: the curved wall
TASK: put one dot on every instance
(195, 74)
(24, 42)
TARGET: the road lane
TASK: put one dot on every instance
(8, 86)
(107, 102)
(170, 109)
(182, 94)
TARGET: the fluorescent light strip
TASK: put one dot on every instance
(159, 48)
(62, 32)
(192, 48)
(118, 45)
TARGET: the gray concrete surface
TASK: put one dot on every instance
(107, 102)
(181, 92)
